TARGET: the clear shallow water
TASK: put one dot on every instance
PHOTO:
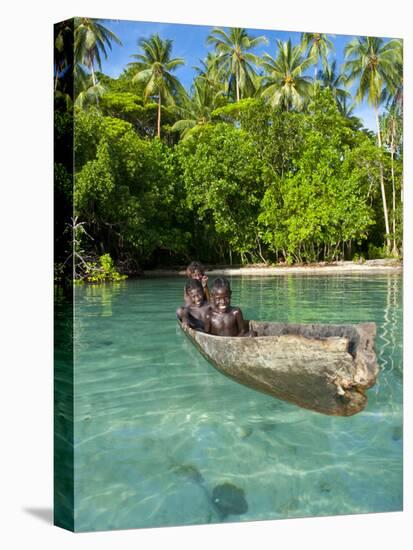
(157, 428)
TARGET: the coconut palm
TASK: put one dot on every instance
(235, 60)
(210, 72)
(92, 39)
(375, 65)
(392, 133)
(198, 108)
(284, 83)
(154, 68)
(63, 49)
(331, 79)
(395, 89)
(318, 46)
(87, 93)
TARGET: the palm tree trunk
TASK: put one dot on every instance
(383, 191)
(237, 83)
(159, 116)
(394, 250)
(93, 70)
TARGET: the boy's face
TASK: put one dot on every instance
(196, 296)
(197, 275)
(221, 299)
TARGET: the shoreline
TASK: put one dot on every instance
(367, 267)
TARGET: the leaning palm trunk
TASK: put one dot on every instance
(383, 190)
(159, 116)
(394, 250)
(92, 69)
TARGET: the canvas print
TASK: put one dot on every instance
(228, 274)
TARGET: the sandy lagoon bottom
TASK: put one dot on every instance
(161, 438)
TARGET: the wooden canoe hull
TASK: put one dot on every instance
(325, 368)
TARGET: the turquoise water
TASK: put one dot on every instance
(159, 433)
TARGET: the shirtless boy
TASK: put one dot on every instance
(196, 270)
(194, 312)
(222, 319)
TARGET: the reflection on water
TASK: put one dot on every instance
(161, 438)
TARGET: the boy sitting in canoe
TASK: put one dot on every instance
(222, 319)
(196, 271)
(194, 313)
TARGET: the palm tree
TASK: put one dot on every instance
(154, 68)
(63, 49)
(329, 78)
(395, 89)
(92, 39)
(198, 108)
(235, 60)
(375, 64)
(87, 93)
(210, 72)
(391, 130)
(318, 47)
(284, 83)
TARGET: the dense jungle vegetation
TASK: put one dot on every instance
(261, 160)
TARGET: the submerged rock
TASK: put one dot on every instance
(325, 487)
(229, 499)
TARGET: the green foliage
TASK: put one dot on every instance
(222, 175)
(125, 189)
(103, 271)
(252, 184)
(379, 252)
(359, 259)
(267, 167)
(321, 202)
(121, 103)
(232, 111)
(376, 252)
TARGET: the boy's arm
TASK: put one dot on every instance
(240, 322)
(207, 323)
(204, 282)
(185, 317)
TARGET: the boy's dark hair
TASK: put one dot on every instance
(192, 284)
(221, 282)
(195, 266)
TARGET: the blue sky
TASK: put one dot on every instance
(189, 42)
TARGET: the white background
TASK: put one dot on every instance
(26, 273)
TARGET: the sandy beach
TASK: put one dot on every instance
(367, 267)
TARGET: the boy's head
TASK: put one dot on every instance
(195, 291)
(221, 294)
(195, 270)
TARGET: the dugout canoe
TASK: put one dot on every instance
(325, 368)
